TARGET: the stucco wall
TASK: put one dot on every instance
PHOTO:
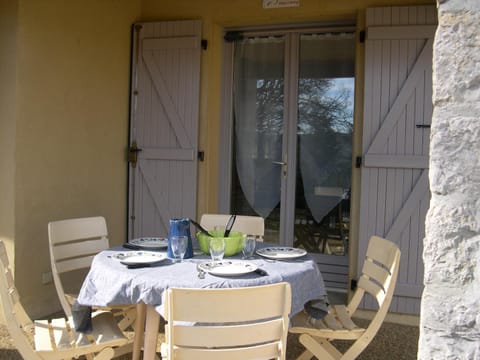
(450, 321)
(73, 66)
(8, 29)
(71, 111)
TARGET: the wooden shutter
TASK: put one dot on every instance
(164, 124)
(397, 113)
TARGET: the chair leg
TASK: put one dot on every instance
(128, 319)
(306, 355)
(321, 348)
(125, 349)
(105, 354)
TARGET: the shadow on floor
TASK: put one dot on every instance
(393, 341)
(7, 354)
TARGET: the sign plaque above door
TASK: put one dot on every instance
(270, 4)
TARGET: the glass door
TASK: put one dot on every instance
(324, 142)
(258, 110)
(292, 136)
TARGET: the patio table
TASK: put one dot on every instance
(109, 282)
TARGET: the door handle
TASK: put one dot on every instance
(284, 167)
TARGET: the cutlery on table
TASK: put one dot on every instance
(201, 273)
(229, 226)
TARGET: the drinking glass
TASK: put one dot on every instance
(249, 247)
(217, 248)
(179, 247)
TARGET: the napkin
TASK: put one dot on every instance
(317, 308)
(82, 318)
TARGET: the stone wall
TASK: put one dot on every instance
(450, 314)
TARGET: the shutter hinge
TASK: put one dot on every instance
(353, 285)
(204, 44)
(358, 162)
(133, 151)
(201, 155)
(362, 36)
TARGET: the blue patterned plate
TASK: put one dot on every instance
(281, 252)
(139, 257)
(227, 267)
(150, 243)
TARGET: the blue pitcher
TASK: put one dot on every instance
(180, 227)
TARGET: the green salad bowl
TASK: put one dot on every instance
(233, 243)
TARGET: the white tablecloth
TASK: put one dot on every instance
(110, 282)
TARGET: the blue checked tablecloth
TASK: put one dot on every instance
(109, 282)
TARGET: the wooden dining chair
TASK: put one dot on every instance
(251, 225)
(378, 278)
(219, 324)
(73, 243)
(56, 338)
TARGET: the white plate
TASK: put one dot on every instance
(150, 242)
(281, 252)
(228, 267)
(139, 257)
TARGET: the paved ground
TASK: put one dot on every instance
(393, 342)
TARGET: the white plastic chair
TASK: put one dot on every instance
(73, 243)
(54, 339)
(378, 278)
(251, 225)
(219, 324)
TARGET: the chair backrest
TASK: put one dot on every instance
(229, 323)
(73, 244)
(378, 278)
(18, 322)
(252, 225)
(380, 270)
(55, 338)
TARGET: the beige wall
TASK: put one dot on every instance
(73, 68)
(70, 66)
(8, 29)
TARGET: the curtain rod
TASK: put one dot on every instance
(238, 34)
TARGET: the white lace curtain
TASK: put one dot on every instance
(324, 144)
(258, 112)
